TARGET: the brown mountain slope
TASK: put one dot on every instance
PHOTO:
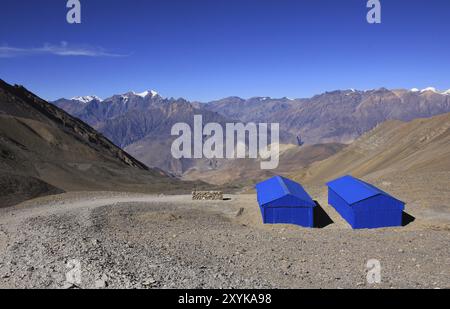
(44, 150)
(410, 160)
(248, 172)
(416, 146)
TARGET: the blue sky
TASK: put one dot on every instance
(209, 49)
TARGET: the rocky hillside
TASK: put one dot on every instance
(422, 145)
(44, 150)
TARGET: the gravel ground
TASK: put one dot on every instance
(141, 241)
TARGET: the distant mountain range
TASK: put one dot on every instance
(339, 116)
(141, 122)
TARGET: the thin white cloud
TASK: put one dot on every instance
(63, 49)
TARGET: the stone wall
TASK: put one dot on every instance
(207, 195)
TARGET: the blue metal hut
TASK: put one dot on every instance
(283, 201)
(364, 206)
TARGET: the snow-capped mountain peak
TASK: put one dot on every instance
(431, 89)
(415, 90)
(144, 94)
(87, 99)
(126, 97)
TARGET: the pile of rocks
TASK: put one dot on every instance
(207, 195)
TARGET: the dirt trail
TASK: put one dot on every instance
(54, 205)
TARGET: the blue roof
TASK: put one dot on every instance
(278, 187)
(354, 190)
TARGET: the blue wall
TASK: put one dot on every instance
(289, 215)
(341, 207)
(375, 212)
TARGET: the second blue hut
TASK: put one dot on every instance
(284, 201)
(364, 206)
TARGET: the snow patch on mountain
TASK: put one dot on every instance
(433, 89)
(86, 99)
(430, 89)
(145, 94)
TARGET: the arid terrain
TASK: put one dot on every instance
(142, 241)
(238, 145)
(246, 173)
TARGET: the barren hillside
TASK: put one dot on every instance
(247, 172)
(43, 150)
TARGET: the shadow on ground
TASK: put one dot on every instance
(321, 218)
(407, 219)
